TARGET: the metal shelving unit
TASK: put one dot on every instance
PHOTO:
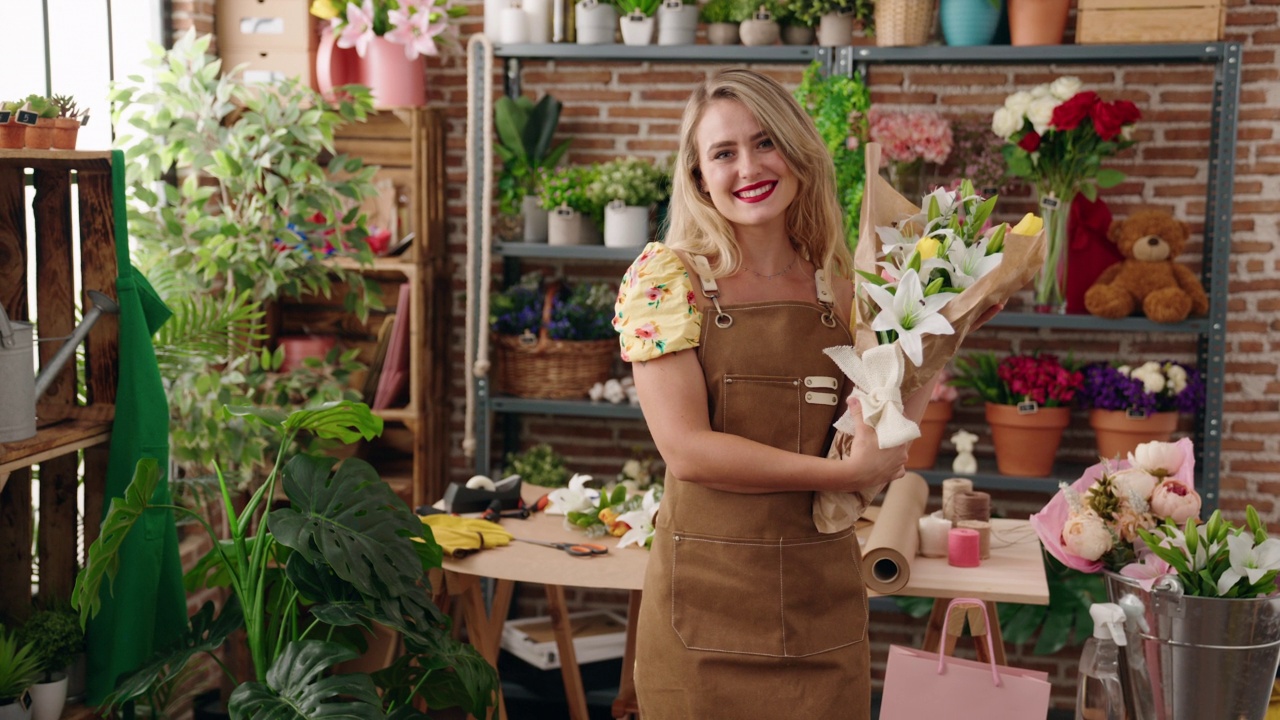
(1209, 332)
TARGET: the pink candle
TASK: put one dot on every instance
(963, 548)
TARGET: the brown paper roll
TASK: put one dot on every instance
(895, 537)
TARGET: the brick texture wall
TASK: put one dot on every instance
(621, 109)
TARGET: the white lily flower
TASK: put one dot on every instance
(577, 497)
(1249, 560)
(1204, 549)
(910, 314)
(640, 521)
(971, 263)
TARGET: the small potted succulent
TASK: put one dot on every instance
(19, 669)
(797, 29)
(722, 18)
(575, 215)
(761, 28)
(628, 188)
(12, 135)
(637, 21)
(677, 22)
(68, 123)
(39, 136)
(55, 638)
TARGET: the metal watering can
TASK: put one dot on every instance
(18, 391)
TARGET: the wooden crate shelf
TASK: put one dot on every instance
(51, 442)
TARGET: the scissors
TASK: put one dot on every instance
(574, 549)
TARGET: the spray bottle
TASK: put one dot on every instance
(1100, 696)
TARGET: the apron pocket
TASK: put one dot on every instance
(764, 408)
(823, 597)
(726, 594)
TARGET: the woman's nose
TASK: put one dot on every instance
(748, 166)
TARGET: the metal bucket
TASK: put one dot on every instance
(1194, 658)
(17, 380)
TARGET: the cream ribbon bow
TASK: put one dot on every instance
(878, 379)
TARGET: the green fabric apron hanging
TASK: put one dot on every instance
(146, 609)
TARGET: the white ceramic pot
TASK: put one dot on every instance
(797, 35)
(722, 33)
(539, 14)
(595, 23)
(535, 220)
(835, 29)
(513, 26)
(566, 226)
(760, 30)
(677, 23)
(48, 699)
(637, 29)
(19, 709)
(625, 225)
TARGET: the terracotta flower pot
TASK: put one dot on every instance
(40, 135)
(12, 135)
(923, 453)
(65, 131)
(1037, 22)
(1117, 433)
(1026, 443)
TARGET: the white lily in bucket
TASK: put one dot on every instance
(1249, 560)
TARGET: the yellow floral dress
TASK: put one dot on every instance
(656, 312)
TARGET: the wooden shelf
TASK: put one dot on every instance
(51, 442)
(398, 264)
(58, 159)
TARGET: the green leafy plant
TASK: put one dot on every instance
(42, 106)
(641, 7)
(723, 11)
(809, 12)
(344, 553)
(67, 109)
(569, 186)
(539, 465)
(525, 133)
(55, 638)
(632, 180)
(19, 667)
(1221, 559)
(838, 106)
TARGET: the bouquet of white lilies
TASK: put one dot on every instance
(924, 276)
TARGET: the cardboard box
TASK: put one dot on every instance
(597, 635)
(1149, 21)
(272, 66)
(252, 25)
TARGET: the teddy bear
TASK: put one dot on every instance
(1148, 277)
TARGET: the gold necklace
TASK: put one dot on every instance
(780, 273)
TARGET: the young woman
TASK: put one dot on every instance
(749, 611)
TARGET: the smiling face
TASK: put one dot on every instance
(743, 172)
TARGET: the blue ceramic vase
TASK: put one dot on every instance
(969, 22)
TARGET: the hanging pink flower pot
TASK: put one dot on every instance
(396, 81)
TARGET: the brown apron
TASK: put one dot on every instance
(748, 611)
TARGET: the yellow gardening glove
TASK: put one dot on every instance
(461, 536)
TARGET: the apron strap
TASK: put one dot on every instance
(709, 289)
(826, 298)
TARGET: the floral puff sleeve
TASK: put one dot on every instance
(656, 312)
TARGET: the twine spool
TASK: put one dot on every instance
(950, 488)
(984, 535)
(972, 506)
(963, 548)
(933, 535)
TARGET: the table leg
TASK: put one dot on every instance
(484, 627)
(575, 693)
(933, 631)
(997, 640)
(934, 640)
(625, 706)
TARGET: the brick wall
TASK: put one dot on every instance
(618, 109)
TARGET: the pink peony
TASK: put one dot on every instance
(1086, 536)
(1171, 499)
(1159, 458)
(1134, 480)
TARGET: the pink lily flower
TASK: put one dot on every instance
(1147, 570)
(413, 27)
(358, 32)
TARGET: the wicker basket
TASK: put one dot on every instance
(535, 366)
(903, 22)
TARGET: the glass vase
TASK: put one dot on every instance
(1051, 281)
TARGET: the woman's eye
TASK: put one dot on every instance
(721, 155)
(766, 143)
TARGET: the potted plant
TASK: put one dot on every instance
(761, 28)
(12, 135)
(297, 595)
(1028, 399)
(637, 20)
(797, 29)
(628, 188)
(908, 141)
(553, 340)
(539, 465)
(969, 22)
(525, 132)
(68, 123)
(677, 22)
(39, 136)
(56, 640)
(576, 216)
(596, 22)
(923, 452)
(833, 18)
(723, 18)
(19, 668)
(1132, 405)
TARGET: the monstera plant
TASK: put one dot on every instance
(343, 553)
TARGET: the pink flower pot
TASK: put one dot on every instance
(395, 80)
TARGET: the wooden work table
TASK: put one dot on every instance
(1014, 573)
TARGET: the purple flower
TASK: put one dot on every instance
(1112, 388)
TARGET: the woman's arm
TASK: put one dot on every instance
(673, 396)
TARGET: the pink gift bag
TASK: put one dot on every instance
(919, 684)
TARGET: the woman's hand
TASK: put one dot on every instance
(986, 316)
(869, 465)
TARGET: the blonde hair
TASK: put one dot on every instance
(813, 219)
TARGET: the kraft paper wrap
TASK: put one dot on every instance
(882, 205)
(895, 536)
